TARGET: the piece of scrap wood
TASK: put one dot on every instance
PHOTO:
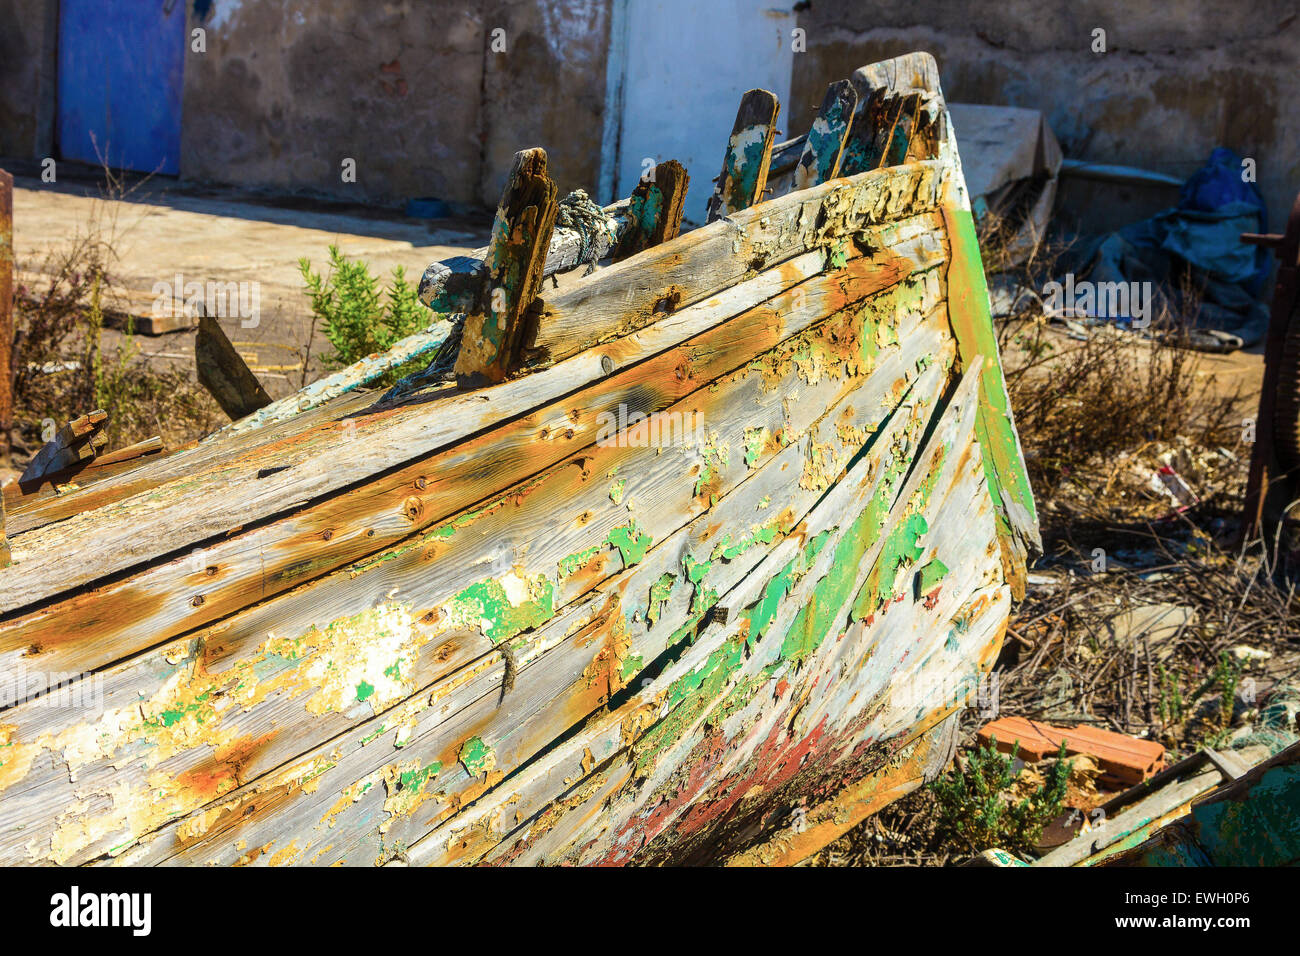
(76, 441)
(655, 209)
(224, 373)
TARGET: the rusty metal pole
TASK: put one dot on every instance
(6, 315)
(1263, 460)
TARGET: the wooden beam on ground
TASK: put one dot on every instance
(494, 334)
(824, 144)
(749, 151)
(224, 373)
(6, 314)
(655, 209)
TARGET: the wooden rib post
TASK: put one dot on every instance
(656, 209)
(749, 152)
(899, 114)
(824, 145)
(6, 314)
(516, 262)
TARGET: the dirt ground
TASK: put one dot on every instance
(159, 230)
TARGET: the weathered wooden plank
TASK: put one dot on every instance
(333, 455)
(633, 294)
(655, 210)
(540, 542)
(85, 471)
(915, 763)
(749, 150)
(467, 836)
(224, 373)
(4, 540)
(1004, 461)
(493, 338)
(824, 144)
(112, 484)
(356, 375)
(550, 689)
(6, 314)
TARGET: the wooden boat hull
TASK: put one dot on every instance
(709, 578)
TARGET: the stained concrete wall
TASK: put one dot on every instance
(28, 31)
(1178, 77)
(410, 89)
(285, 92)
(547, 89)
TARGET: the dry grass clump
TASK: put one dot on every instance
(63, 366)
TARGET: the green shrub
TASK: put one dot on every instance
(356, 317)
(974, 811)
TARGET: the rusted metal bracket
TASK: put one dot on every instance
(1265, 468)
(6, 313)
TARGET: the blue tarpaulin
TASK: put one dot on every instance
(1202, 232)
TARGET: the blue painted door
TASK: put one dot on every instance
(120, 69)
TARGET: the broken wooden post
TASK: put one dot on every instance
(824, 145)
(516, 260)
(224, 373)
(6, 314)
(655, 209)
(76, 441)
(749, 151)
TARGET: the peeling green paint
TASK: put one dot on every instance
(477, 756)
(487, 603)
(632, 542)
(616, 490)
(575, 562)
(695, 570)
(729, 550)
(660, 591)
(930, 575)
(972, 327)
(413, 781)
